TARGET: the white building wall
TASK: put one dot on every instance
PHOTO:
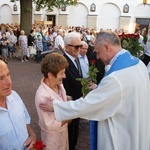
(108, 13)
(108, 17)
(6, 17)
(77, 16)
(141, 11)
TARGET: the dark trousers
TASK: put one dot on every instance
(38, 56)
(73, 130)
(146, 59)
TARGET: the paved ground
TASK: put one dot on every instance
(26, 79)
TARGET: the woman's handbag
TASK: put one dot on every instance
(33, 50)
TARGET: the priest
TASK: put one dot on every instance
(119, 105)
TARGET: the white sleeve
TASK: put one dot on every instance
(99, 104)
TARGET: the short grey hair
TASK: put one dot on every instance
(109, 37)
(22, 32)
(60, 31)
(84, 43)
(71, 36)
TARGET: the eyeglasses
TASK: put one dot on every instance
(84, 48)
(75, 46)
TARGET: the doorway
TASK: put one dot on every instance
(143, 24)
(52, 18)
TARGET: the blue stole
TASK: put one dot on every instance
(124, 60)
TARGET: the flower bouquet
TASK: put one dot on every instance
(130, 43)
(92, 78)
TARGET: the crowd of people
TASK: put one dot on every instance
(117, 104)
(13, 39)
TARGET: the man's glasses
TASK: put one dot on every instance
(84, 48)
(75, 46)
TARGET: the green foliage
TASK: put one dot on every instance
(50, 4)
(85, 81)
(145, 38)
(85, 85)
(93, 73)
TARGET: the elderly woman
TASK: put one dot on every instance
(53, 133)
(12, 45)
(23, 44)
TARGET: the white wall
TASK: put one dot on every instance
(108, 17)
(77, 15)
(107, 12)
(5, 14)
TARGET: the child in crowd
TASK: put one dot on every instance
(39, 48)
(4, 47)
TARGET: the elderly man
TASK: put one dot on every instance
(83, 59)
(120, 103)
(59, 42)
(15, 130)
(73, 87)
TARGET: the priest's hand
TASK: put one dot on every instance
(48, 106)
(92, 85)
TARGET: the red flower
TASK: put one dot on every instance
(128, 36)
(136, 36)
(130, 43)
(92, 62)
(39, 145)
(120, 36)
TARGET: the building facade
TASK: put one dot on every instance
(106, 14)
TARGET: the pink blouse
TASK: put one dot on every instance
(53, 134)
